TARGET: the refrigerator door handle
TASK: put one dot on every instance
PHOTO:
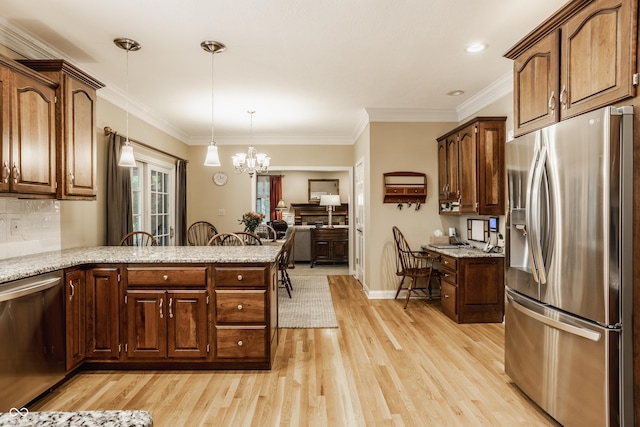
(533, 213)
(575, 330)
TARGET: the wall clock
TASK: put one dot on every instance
(220, 178)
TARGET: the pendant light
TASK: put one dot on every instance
(212, 47)
(127, 159)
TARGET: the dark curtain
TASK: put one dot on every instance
(119, 209)
(275, 195)
(181, 203)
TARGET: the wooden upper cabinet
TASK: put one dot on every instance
(5, 160)
(580, 59)
(474, 164)
(536, 82)
(598, 56)
(467, 169)
(75, 127)
(33, 148)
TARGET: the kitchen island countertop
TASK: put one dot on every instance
(31, 265)
(81, 418)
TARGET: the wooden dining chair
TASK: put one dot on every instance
(265, 231)
(414, 265)
(138, 238)
(284, 260)
(249, 238)
(200, 232)
(226, 239)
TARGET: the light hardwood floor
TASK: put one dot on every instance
(382, 367)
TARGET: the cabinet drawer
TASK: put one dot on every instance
(448, 263)
(448, 301)
(239, 277)
(241, 343)
(167, 276)
(449, 276)
(240, 306)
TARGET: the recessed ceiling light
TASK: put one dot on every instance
(455, 93)
(476, 47)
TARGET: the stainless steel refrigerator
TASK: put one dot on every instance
(568, 331)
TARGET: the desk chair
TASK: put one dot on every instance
(413, 264)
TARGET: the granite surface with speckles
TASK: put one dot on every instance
(23, 418)
(31, 265)
(463, 252)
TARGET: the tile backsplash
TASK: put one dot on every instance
(28, 226)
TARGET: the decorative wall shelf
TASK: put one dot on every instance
(403, 187)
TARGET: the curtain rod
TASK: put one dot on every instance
(108, 131)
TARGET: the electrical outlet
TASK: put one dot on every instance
(221, 212)
(15, 227)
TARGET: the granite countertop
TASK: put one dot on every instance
(73, 419)
(31, 265)
(463, 252)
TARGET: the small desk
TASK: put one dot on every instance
(472, 284)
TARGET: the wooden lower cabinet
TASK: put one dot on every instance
(103, 313)
(472, 289)
(74, 285)
(329, 245)
(245, 315)
(166, 313)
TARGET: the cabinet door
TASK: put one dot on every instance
(468, 172)
(102, 315)
(74, 282)
(598, 56)
(78, 174)
(146, 324)
(33, 152)
(442, 169)
(448, 301)
(536, 83)
(340, 250)
(321, 250)
(481, 290)
(5, 96)
(187, 324)
(491, 169)
(453, 176)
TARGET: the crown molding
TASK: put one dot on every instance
(411, 115)
(258, 140)
(496, 90)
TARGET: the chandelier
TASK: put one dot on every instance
(251, 162)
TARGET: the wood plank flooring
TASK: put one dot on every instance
(383, 366)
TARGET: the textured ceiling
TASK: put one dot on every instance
(310, 69)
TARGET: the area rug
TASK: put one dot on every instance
(310, 305)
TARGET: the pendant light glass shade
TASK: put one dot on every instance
(212, 47)
(127, 159)
(212, 158)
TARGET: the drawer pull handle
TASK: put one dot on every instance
(170, 309)
(446, 262)
(161, 315)
(446, 296)
(446, 275)
(73, 290)
(239, 276)
(239, 306)
(240, 343)
(165, 277)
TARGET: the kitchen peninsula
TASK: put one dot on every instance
(148, 307)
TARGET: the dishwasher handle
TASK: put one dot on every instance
(29, 288)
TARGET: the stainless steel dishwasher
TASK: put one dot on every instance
(32, 334)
